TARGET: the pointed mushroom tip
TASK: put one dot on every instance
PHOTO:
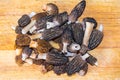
(101, 28)
(96, 63)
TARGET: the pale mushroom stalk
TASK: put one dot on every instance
(27, 28)
(88, 31)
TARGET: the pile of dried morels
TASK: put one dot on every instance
(57, 41)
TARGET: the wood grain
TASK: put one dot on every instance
(106, 12)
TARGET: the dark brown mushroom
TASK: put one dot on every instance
(22, 40)
(75, 65)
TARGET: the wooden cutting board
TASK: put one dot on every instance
(106, 12)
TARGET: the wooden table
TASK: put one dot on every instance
(106, 12)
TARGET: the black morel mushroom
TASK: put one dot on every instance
(95, 38)
(55, 57)
(75, 65)
(77, 11)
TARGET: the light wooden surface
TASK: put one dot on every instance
(106, 12)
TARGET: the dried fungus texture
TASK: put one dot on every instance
(95, 39)
(54, 57)
(52, 33)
